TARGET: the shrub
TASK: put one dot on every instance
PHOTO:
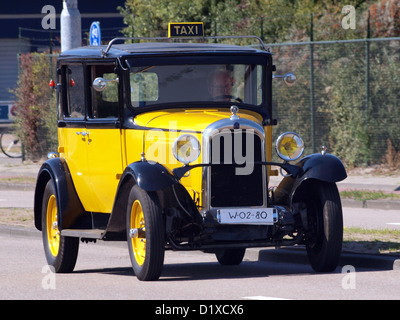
(35, 121)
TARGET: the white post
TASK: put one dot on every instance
(71, 31)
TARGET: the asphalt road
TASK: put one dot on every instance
(103, 271)
(374, 218)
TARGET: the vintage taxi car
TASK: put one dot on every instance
(168, 145)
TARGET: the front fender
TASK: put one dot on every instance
(326, 168)
(69, 206)
(150, 176)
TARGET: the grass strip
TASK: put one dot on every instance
(377, 241)
(362, 195)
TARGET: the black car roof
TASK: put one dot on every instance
(120, 50)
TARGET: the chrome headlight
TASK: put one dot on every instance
(289, 146)
(186, 148)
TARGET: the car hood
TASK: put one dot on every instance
(189, 119)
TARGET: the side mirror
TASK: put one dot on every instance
(289, 78)
(100, 84)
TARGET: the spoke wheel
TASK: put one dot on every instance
(138, 242)
(145, 234)
(61, 252)
(53, 234)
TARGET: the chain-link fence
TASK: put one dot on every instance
(347, 97)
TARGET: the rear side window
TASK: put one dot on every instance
(75, 89)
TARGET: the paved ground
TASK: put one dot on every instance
(17, 181)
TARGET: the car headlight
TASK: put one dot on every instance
(289, 146)
(186, 148)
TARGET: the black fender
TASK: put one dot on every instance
(150, 176)
(328, 168)
(69, 206)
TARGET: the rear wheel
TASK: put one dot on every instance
(61, 252)
(145, 233)
(230, 257)
(324, 236)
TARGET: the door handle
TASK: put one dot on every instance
(83, 133)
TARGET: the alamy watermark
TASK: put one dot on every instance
(349, 280)
(349, 20)
(227, 147)
(49, 280)
(49, 20)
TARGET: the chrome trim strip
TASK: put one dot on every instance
(211, 131)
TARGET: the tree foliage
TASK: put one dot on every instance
(273, 20)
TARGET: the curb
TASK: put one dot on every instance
(19, 231)
(371, 204)
(286, 255)
(17, 186)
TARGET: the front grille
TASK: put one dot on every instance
(232, 184)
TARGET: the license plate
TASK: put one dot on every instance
(267, 216)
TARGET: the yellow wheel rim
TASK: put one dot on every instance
(53, 234)
(137, 222)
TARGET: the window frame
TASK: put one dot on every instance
(65, 93)
(89, 92)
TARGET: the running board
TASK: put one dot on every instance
(84, 233)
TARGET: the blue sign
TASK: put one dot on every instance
(4, 112)
(95, 34)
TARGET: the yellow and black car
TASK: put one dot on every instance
(168, 145)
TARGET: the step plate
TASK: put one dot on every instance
(84, 233)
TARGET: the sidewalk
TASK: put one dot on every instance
(15, 175)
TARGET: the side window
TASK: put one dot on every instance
(104, 104)
(75, 89)
(259, 84)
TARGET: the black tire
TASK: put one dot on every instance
(324, 237)
(147, 249)
(230, 257)
(61, 252)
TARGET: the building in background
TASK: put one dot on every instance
(21, 32)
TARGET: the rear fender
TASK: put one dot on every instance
(69, 206)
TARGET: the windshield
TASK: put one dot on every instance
(195, 84)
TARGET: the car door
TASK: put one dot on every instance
(104, 151)
(72, 128)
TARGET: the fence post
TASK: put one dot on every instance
(367, 62)
(312, 84)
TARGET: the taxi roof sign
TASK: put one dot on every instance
(185, 29)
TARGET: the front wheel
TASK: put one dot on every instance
(145, 234)
(324, 234)
(61, 252)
